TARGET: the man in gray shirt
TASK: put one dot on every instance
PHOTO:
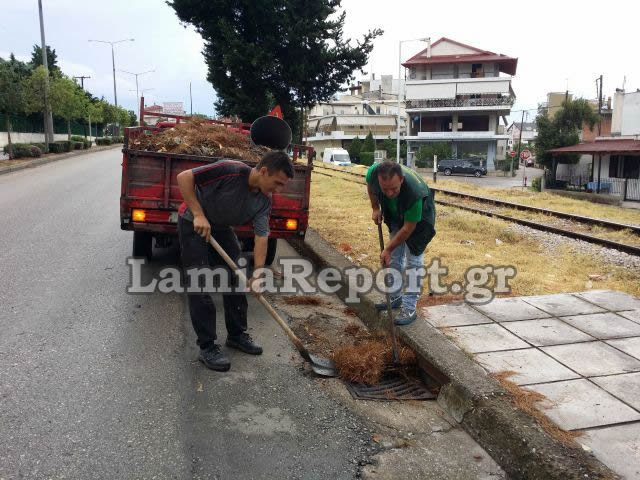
(216, 197)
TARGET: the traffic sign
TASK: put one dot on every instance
(525, 154)
(513, 154)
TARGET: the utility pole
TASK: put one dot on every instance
(519, 142)
(82, 77)
(599, 128)
(48, 117)
(137, 96)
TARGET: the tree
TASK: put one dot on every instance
(389, 145)
(265, 52)
(52, 60)
(133, 118)
(11, 96)
(424, 155)
(369, 144)
(562, 131)
(34, 89)
(67, 100)
(354, 148)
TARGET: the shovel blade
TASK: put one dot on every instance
(322, 366)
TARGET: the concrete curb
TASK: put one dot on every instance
(476, 400)
(54, 158)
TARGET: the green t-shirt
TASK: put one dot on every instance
(413, 214)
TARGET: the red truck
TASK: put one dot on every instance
(150, 197)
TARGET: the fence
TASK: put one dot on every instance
(35, 124)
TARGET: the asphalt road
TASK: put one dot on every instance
(97, 383)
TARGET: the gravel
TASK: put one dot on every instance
(551, 242)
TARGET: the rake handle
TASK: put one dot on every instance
(243, 278)
(388, 297)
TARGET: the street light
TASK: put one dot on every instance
(113, 63)
(137, 96)
(425, 39)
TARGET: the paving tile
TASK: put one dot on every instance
(531, 365)
(562, 304)
(626, 387)
(630, 346)
(611, 299)
(547, 331)
(617, 447)
(454, 315)
(633, 315)
(576, 404)
(484, 338)
(511, 309)
(604, 325)
(593, 359)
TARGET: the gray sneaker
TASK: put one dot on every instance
(405, 317)
(215, 359)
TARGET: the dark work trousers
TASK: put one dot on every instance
(196, 252)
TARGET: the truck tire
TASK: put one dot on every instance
(272, 245)
(142, 244)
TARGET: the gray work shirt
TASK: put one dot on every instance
(223, 191)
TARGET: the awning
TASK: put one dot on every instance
(620, 146)
(368, 120)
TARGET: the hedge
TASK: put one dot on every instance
(56, 147)
(117, 139)
(77, 145)
(103, 141)
(23, 150)
(366, 158)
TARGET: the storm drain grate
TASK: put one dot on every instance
(392, 387)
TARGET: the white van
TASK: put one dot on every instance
(336, 156)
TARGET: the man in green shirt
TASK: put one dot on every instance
(402, 198)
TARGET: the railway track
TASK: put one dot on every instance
(623, 247)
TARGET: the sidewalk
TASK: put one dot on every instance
(580, 351)
(23, 163)
(479, 403)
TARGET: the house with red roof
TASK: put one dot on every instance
(459, 94)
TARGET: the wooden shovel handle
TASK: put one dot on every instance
(243, 278)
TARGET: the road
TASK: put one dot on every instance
(97, 383)
(490, 181)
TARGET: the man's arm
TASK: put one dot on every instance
(187, 186)
(259, 251)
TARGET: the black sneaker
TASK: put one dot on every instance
(244, 343)
(215, 359)
(395, 303)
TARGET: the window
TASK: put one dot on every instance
(378, 110)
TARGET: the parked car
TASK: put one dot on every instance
(336, 156)
(450, 166)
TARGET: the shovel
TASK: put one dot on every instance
(396, 359)
(321, 366)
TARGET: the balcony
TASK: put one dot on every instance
(447, 103)
(467, 93)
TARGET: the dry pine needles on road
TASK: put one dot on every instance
(366, 362)
(198, 137)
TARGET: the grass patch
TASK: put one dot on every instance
(547, 200)
(341, 213)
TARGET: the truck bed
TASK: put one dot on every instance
(149, 183)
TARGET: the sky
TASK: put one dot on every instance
(558, 44)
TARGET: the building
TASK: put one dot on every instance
(615, 159)
(626, 115)
(529, 133)
(455, 93)
(554, 102)
(151, 121)
(370, 106)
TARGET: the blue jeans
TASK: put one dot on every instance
(403, 261)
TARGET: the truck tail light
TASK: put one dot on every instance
(138, 215)
(292, 224)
